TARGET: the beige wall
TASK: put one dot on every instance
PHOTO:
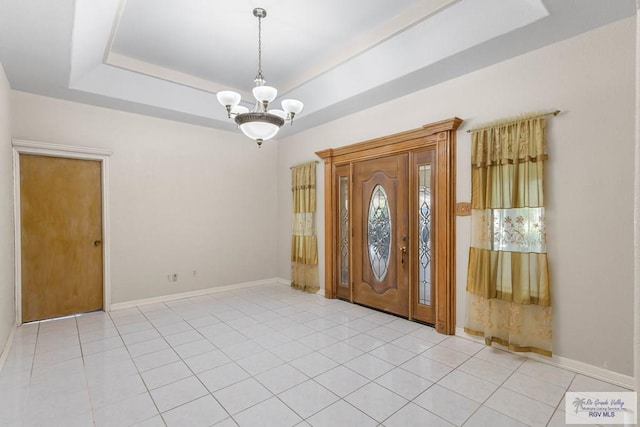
(7, 313)
(589, 180)
(182, 197)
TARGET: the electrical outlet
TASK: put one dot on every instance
(168, 278)
(195, 273)
(174, 277)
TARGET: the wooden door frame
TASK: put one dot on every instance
(70, 152)
(440, 135)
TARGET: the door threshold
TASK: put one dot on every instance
(431, 325)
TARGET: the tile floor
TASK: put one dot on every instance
(269, 356)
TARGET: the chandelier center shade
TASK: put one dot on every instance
(261, 123)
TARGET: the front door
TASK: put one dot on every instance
(390, 223)
(380, 234)
(61, 236)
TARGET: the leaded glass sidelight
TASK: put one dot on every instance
(379, 233)
(424, 240)
(344, 231)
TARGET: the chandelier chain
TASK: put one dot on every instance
(260, 46)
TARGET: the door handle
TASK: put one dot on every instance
(403, 250)
(97, 243)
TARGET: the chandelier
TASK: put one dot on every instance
(261, 123)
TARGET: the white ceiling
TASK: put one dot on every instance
(168, 58)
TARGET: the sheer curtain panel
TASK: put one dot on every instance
(508, 292)
(304, 243)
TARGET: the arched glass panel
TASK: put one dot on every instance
(379, 233)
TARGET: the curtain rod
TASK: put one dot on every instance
(303, 164)
(514, 120)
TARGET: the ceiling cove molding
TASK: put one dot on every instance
(125, 62)
(91, 35)
(114, 29)
(442, 36)
(418, 13)
(92, 28)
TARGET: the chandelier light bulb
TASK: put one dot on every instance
(229, 99)
(279, 113)
(265, 93)
(239, 109)
(292, 107)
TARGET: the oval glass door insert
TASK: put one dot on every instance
(379, 233)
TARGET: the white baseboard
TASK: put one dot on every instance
(576, 366)
(7, 346)
(286, 282)
(191, 294)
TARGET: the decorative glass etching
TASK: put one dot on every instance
(379, 233)
(512, 230)
(424, 240)
(344, 231)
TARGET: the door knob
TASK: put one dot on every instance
(97, 243)
(403, 250)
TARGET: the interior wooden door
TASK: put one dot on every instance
(380, 234)
(423, 214)
(61, 236)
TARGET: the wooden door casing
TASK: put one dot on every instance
(391, 293)
(441, 137)
(61, 236)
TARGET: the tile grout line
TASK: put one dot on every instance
(181, 360)
(136, 366)
(241, 303)
(84, 369)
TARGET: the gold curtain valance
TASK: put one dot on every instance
(303, 187)
(507, 164)
(509, 143)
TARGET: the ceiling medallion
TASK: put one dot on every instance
(261, 123)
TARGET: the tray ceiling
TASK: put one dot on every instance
(168, 58)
